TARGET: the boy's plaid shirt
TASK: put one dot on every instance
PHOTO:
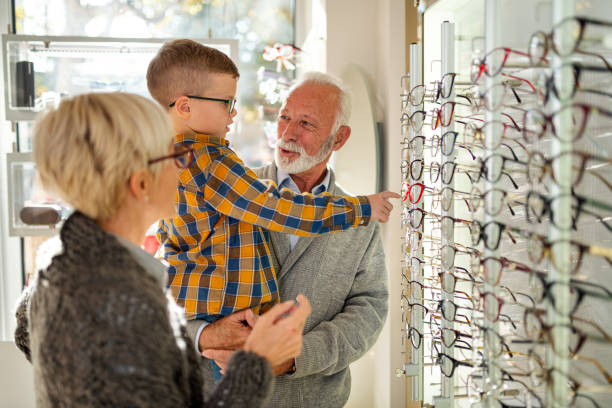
(216, 248)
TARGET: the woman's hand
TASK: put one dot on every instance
(277, 334)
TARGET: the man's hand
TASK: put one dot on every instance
(283, 367)
(381, 207)
(228, 333)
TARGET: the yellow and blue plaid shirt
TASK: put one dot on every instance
(215, 245)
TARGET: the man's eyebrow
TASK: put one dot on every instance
(310, 118)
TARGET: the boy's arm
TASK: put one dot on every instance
(234, 190)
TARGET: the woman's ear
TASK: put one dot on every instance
(139, 184)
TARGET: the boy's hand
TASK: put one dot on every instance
(381, 207)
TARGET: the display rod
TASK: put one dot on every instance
(559, 271)
(415, 368)
(492, 40)
(447, 237)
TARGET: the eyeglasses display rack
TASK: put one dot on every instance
(446, 234)
(507, 205)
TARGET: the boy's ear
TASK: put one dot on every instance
(183, 107)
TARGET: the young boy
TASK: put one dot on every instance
(216, 245)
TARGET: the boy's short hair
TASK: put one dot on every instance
(180, 68)
(86, 150)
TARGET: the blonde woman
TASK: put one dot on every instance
(96, 323)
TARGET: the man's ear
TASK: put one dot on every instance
(138, 185)
(182, 107)
(342, 136)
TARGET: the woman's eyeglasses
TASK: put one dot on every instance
(183, 157)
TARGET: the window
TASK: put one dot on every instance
(255, 23)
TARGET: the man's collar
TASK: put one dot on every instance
(285, 178)
(201, 138)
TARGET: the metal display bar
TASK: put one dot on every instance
(560, 270)
(492, 40)
(415, 368)
(447, 237)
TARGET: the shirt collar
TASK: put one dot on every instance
(151, 265)
(201, 138)
(283, 179)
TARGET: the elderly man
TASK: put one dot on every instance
(343, 275)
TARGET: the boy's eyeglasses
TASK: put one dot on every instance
(183, 157)
(231, 103)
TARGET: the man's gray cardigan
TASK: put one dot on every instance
(344, 276)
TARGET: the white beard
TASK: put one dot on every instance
(304, 161)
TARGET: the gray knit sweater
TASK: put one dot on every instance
(100, 332)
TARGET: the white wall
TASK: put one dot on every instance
(371, 34)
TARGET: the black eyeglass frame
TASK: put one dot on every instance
(231, 103)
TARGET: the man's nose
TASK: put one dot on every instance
(288, 133)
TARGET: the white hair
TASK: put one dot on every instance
(87, 148)
(344, 100)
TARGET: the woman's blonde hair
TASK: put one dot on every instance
(87, 149)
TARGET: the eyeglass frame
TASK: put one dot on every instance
(175, 156)
(231, 103)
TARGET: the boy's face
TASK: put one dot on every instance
(213, 117)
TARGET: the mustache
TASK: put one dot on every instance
(291, 146)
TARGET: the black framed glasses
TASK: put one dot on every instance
(493, 167)
(230, 103)
(578, 290)
(448, 364)
(183, 157)
(538, 206)
(540, 43)
(489, 233)
(446, 85)
(551, 84)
